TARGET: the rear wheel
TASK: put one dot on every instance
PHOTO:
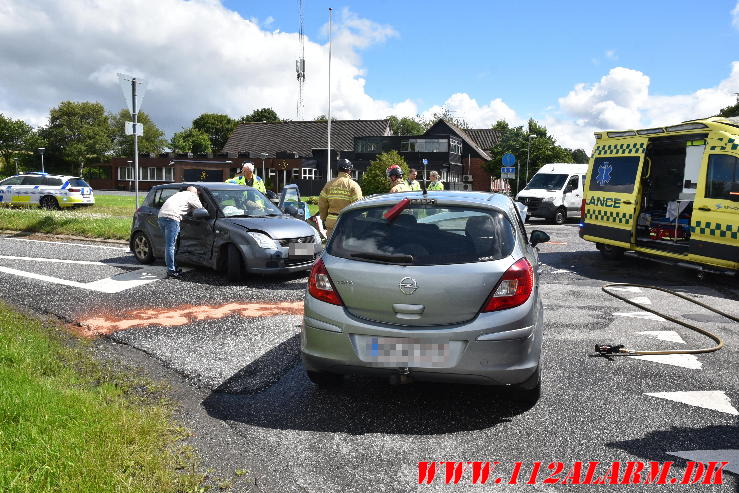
(611, 252)
(48, 202)
(324, 379)
(234, 264)
(560, 217)
(142, 248)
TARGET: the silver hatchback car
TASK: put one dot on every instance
(436, 287)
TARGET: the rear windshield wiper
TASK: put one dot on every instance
(380, 257)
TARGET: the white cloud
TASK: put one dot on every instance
(197, 57)
(462, 106)
(621, 100)
(735, 16)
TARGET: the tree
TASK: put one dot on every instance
(730, 111)
(191, 140)
(447, 115)
(19, 141)
(543, 150)
(405, 126)
(153, 140)
(374, 179)
(323, 118)
(217, 127)
(78, 133)
(579, 156)
(267, 115)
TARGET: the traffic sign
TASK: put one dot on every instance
(508, 159)
(508, 172)
(425, 161)
(139, 129)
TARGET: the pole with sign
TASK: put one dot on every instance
(133, 99)
(425, 163)
(508, 171)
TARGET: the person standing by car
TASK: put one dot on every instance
(337, 194)
(435, 183)
(169, 218)
(247, 177)
(397, 184)
(412, 182)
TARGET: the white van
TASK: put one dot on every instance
(555, 192)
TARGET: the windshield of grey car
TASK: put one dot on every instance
(423, 235)
(244, 203)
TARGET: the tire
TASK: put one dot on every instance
(324, 379)
(529, 391)
(142, 249)
(234, 264)
(49, 203)
(611, 252)
(560, 216)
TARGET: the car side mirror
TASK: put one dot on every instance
(201, 213)
(538, 236)
(292, 210)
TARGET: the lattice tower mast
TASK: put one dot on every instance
(300, 62)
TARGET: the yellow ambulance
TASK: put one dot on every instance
(669, 193)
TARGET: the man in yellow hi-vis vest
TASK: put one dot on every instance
(337, 194)
(248, 178)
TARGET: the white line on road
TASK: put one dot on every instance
(689, 361)
(115, 284)
(63, 261)
(627, 289)
(73, 244)
(705, 456)
(642, 315)
(664, 335)
(716, 400)
(642, 300)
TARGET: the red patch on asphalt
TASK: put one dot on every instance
(172, 317)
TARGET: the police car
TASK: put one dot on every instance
(46, 190)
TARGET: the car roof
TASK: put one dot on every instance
(486, 199)
(210, 185)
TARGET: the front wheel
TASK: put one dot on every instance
(560, 217)
(142, 248)
(234, 264)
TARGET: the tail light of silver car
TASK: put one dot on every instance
(513, 289)
(320, 285)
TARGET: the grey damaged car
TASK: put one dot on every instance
(440, 287)
(239, 231)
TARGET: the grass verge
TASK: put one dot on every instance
(69, 424)
(68, 222)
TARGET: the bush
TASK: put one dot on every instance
(374, 179)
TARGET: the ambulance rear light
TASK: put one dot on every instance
(685, 126)
(627, 133)
(650, 131)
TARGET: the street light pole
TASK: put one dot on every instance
(528, 153)
(41, 150)
(264, 172)
(16, 165)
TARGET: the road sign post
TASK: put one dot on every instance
(425, 163)
(508, 161)
(133, 99)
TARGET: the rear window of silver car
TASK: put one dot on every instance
(423, 235)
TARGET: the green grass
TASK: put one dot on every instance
(69, 424)
(69, 222)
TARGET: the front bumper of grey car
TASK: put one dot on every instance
(495, 348)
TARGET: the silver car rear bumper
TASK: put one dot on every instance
(498, 348)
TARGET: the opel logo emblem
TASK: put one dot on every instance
(408, 285)
(300, 240)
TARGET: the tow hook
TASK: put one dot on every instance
(402, 377)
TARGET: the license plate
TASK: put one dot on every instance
(397, 351)
(301, 249)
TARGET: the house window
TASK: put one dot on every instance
(356, 174)
(308, 173)
(168, 174)
(455, 146)
(295, 173)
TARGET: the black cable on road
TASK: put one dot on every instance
(620, 350)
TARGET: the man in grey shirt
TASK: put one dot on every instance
(169, 219)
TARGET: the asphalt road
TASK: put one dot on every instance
(230, 352)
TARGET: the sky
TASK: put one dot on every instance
(576, 67)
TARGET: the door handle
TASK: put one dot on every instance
(410, 309)
(627, 202)
(704, 208)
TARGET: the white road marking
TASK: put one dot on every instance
(73, 244)
(716, 400)
(642, 300)
(721, 455)
(114, 284)
(664, 335)
(63, 261)
(561, 271)
(683, 360)
(627, 289)
(642, 315)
